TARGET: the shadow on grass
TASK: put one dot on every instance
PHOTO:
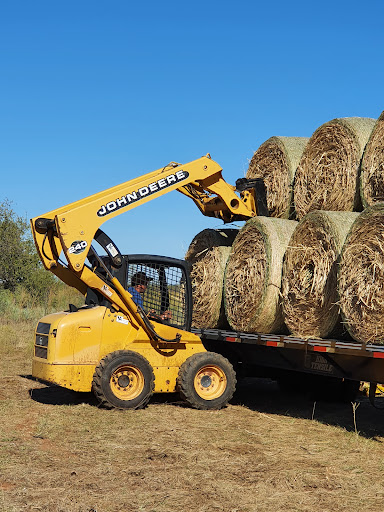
(51, 394)
(260, 395)
(55, 395)
(264, 396)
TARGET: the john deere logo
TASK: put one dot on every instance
(142, 192)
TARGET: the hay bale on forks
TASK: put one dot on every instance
(208, 254)
(372, 166)
(361, 277)
(253, 275)
(328, 173)
(276, 162)
(309, 284)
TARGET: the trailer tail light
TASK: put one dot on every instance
(318, 348)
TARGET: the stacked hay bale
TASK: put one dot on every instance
(253, 275)
(372, 166)
(328, 173)
(276, 162)
(309, 284)
(320, 274)
(361, 277)
(208, 254)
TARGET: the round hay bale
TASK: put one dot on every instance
(276, 162)
(208, 254)
(253, 275)
(372, 166)
(361, 277)
(309, 284)
(328, 173)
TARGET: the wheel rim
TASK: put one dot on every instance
(127, 382)
(210, 382)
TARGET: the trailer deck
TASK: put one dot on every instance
(345, 359)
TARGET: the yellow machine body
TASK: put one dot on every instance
(78, 341)
(71, 346)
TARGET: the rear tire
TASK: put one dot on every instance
(123, 379)
(206, 381)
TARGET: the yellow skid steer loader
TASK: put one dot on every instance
(132, 336)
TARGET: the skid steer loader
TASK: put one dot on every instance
(125, 345)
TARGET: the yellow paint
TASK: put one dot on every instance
(210, 382)
(70, 376)
(79, 340)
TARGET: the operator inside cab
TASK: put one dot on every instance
(139, 283)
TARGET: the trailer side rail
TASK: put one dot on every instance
(339, 358)
(285, 341)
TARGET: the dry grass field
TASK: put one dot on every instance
(265, 452)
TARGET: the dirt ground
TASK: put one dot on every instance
(59, 452)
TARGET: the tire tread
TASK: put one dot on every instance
(186, 389)
(97, 387)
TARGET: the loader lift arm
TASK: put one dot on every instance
(72, 228)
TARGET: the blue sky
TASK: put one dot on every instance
(93, 94)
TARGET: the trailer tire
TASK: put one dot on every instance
(206, 381)
(124, 380)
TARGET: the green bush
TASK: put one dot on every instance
(19, 262)
(27, 290)
(20, 305)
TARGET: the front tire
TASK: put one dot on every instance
(206, 381)
(123, 379)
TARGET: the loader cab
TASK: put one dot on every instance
(168, 291)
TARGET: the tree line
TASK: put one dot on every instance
(20, 265)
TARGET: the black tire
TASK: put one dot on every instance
(123, 379)
(206, 381)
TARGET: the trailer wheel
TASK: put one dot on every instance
(123, 379)
(206, 381)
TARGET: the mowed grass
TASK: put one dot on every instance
(59, 452)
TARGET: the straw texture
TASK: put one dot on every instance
(276, 162)
(253, 275)
(328, 174)
(309, 285)
(208, 254)
(361, 277)
(372, 166)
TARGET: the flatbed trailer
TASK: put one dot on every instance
(282, 357)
